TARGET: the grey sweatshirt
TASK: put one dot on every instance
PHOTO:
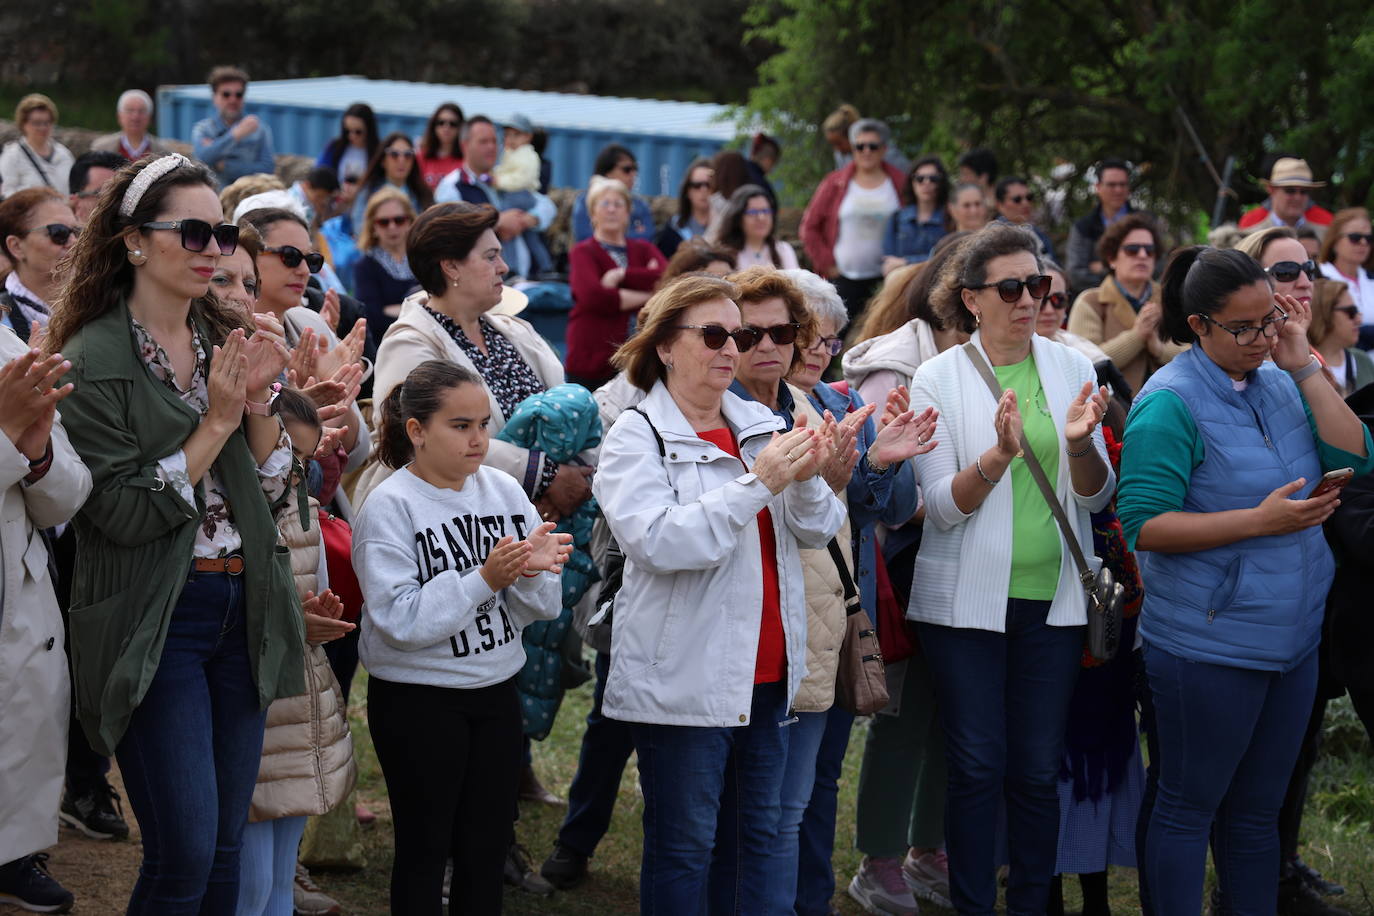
(428, 615)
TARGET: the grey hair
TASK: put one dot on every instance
(1049, 264)
(821, 296)
(139, 94)
(968, 269)
(869, 126)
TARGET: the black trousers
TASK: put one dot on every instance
(451, 760)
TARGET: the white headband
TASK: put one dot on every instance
(144, 180)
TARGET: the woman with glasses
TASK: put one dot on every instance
(1016, 205)
(350, 153)
(747, 225)
(612, 276)
(711, 500)
(915, 230)
(392, 166)
(37, 228)
(617, 163)
(1284, 260)
(383, 278)
(1004, 635)
(184, 619)
(693, 209)
(35, 160)
(1333, 334)
(1224, 450)
(1122, 315)
(1346, 254)
(843, 227)
(440, 151)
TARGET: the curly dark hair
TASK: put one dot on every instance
(1109, 246)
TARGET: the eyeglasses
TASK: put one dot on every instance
(196, 234)
(383, 221)
(1349, 311)
(697, 185)
(1133, 250)
(924, 178)
(1038, 285)
(1248, 335)
(759, 211)
(1293, 191)
(1028, 198)
(1359, 238)
(1287, 271)
(231, 94)
(1056, 301)
(445, 122)
(401, 153)
(782, 334)
(831, 345)
(58, 233)
(868, 147)
(715, 336)
(292, 256)
(86, 195)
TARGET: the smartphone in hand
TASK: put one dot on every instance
(1333, 480)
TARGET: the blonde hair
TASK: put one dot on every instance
(246, 187)
(1253, 245)
(374, 203)
(1326, 295)
(658, 322)
(30, 103)
(600, 186)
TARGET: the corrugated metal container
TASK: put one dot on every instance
(304, 115)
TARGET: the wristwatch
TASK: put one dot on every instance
(1312, 368)
(263, 409)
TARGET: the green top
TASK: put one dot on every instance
(1035, 548)
(1165, 447)
(135, 536)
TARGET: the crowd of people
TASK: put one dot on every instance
(258, 435)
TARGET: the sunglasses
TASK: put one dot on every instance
(196, 234)
(759, 211)
(1294, 191)
(782, 334)
(230, 94)
(401, 153)
(923, 179)
(1010, 290)
(384, 221)
(292, 256)
(58, 233)
(1056, 301)
(1359, 238)
(1287, 271)
(831, 345)
(1349, 311)
(698, 185)
(630, 169)
(354, 131)
(1028, 198)
(1248, 335)
(445, 122)
(715, 336)
(868, 147)
(1133, 250)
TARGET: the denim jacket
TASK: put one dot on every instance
(911, 238)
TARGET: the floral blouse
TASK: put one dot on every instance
(217, 536)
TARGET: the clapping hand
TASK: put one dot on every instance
(266, 351)
(549, 550)
(1007, 420)
(898, 402)
(785, 457)
(824, 444)
(505, 562)
(28, 400)
(304, 358)
(322, 612)
(905, 437)
(1084, 414)
(329, 309)
(840, 468)
(349, 350)
(228, 381)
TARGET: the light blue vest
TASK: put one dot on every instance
(1256, 603)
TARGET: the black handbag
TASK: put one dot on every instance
(1106, 596)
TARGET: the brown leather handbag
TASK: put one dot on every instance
(860, 683)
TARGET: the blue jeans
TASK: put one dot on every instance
(606, 746)
(703, 788)
(1004, 701)
(267, 866)
(816, 842)
(540, 259)
(1228, 738)
(190, 755)
(798, 780)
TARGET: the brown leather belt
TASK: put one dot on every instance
(233, 565)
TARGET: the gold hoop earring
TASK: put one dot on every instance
(137, 257)
(977, 319)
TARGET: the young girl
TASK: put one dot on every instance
(453, 562)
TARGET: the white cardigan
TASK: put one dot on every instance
(963, 570)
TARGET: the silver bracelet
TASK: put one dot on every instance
(1312, 368)
(978, 465)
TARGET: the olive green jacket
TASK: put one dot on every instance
(135, 536)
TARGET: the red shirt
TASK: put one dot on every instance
(433, 170)
(770, 664)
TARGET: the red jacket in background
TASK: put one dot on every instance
(1317, 216)
(820, 224)
(597, 325)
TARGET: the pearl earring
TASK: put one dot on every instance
(137, 257)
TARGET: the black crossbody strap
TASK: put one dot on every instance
(1036, 471)
(846, 581)
(653, 429)
(24, 148)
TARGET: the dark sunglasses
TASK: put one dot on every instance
(1133, 250)
(630, 168)
(1294, 191)
(922, 179)
(715, 336)
(292, 256)
(1359, 238)
(445, 122)
(831, 345)
(1056, 300)
(1349, 311)
(868, 147)
(401, 153)
(354, 131)
(1028, 197)
(698, 185)
(58, 233)
(1287, 271)
(196, 234)
(782, 334)
(1010, 290)
(230, 94)
(384, 221)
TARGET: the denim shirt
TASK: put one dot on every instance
(231, 159)
(911, 238)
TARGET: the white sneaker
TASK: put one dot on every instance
(928, 876)
(880, 888)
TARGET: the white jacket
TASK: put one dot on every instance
(685, 639)
(17, 171)
(35, 694)
(963, 570)
(901, 351)
(415, 337)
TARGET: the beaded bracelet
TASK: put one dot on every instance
(1079, 454)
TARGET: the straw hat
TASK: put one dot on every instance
(1293, 173)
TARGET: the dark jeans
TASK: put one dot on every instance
(451, 761)
(190, 755)
(705, 788)
(1228, 739)
(606, 746)
(343, 658)
(1145, 703)
(815, 873)
(1295, 798)
(1004, 701)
